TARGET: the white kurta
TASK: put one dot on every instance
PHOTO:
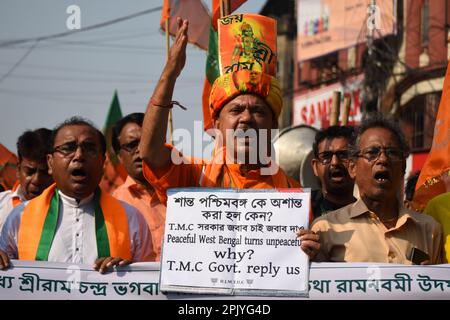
(75, 240)
(6, 203)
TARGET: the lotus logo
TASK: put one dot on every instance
(214, 280)
(249, 281)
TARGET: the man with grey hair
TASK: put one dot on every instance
(377, 228)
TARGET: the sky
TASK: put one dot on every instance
(77, 74)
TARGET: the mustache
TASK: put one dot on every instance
(340, 170)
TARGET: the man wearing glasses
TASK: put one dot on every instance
(73, 220)
(136, 190)
(377, 228)
(330, 165)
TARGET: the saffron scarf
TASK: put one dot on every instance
(219, 173)
(38, 226)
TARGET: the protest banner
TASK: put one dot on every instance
(29, 280)
(227, 241)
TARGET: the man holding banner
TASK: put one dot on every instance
(244, 105)
(73, 220)
(377, 228)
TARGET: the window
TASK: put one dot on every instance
(417, 120)
(327, 67)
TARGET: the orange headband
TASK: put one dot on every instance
(230, 85)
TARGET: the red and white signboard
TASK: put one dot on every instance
(314, 107)
(414, 163)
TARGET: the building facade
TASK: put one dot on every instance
(392, 59)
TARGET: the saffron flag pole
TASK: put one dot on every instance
(197, 15)
(165, 17)
(221, 8)
(437, 164)
(192, 10)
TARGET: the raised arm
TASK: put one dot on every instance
(154, 128)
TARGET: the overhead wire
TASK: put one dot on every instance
(14, 67)
(53, 98)
(36, 40)
(78, 31)
(80, 70)
(55, 43)
(145, 80)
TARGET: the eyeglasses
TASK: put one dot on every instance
(326, 156)
(130, 146)
(68, 149)
(373, 153)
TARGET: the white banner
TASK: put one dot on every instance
(244, 242)
(345, 281)
(51, 280)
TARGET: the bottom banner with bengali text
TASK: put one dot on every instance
(27, 280)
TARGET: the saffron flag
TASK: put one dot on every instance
(430, 183)
(8, 168)
(192, 10)
(212, 70)
(114, 173)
